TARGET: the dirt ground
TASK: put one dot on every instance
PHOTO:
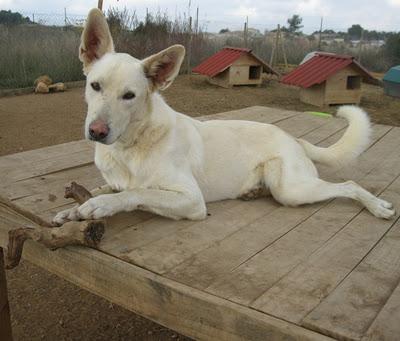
(34, 121)
(44, 307)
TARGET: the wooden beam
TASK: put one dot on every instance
(5, 322)
(100, 5)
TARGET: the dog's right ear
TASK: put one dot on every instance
(96, 39)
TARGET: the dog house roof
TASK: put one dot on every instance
(320, 67)
(223, 59)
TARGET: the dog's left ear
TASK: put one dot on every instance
(162, 68)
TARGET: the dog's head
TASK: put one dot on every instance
(119, 86)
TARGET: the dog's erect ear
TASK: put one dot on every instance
(96, 39)
(162, 68)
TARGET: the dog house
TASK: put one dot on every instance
(327, 79)
(234, 66)
(391, 82)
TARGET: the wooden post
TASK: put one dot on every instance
(282, 41)
(100, 5)
(320, 34)
(245, 34)
(5, 321)
(197, 21)
(189, 48)
(360, 45)
(275, 47)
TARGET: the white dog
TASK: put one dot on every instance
(164, 162)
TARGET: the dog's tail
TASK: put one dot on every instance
(352, 143)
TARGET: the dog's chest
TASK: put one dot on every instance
(117, 168)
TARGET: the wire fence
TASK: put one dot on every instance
(56, 19)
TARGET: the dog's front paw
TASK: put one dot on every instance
(382, 209)
(66, 215)
(99, 207)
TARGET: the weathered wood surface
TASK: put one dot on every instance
(252, 270)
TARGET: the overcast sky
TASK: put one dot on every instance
(217, 14)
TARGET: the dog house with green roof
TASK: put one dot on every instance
(391, 82)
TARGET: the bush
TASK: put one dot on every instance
(28, 51)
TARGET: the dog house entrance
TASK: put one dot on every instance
(353, 82)
(254, 72)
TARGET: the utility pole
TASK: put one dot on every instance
(320, 34)
(245, 31)
(360, 45)
(197, 20)
(33, 17)
(65, 16)
(189, 48)
(100, 5)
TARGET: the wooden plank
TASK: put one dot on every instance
(351, 308)
(5, 321)
(333, 126)
(18, 167)
(249, 280)
(256, 113)
(162, 255)
(299, 292)
(43, 154)
(56, 164)
(223, 256)
(301, 124)
(186, 310)
(156, 228)
(386, 326)
(40, 184)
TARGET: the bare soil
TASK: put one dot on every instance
(45, 307)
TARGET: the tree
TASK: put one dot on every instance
(354, 32)
(224, 30)
(13, 18)
(392, 48)
(295, 23)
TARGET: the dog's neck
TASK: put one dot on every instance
(155, 124)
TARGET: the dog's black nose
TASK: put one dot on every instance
(98, 130)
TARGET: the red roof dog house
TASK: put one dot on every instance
(234, 66)
(327, 79)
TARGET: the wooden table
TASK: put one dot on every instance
(253, 270)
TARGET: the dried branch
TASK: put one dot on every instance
(86, 233)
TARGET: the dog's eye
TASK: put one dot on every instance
(128, 95)
(95, 86)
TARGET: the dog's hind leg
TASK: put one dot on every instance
(293, 186)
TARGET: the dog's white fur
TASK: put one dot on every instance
(170, 164)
